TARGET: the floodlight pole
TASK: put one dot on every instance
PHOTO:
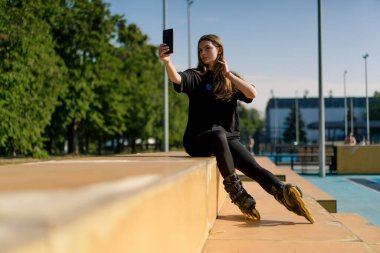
(345, 104)
(352, 115)
(297, 121)
(322, 156)
(366, 97)
(166, 98)
(189, 3)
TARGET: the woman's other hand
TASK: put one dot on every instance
(226, 70)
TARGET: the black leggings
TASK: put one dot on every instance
(230, 154)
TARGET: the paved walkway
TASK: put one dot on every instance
(282, 231)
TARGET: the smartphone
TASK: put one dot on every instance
(167, 38)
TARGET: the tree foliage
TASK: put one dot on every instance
(290, 127)
(178, 113)
(74, 75)
(32, 77)
(375, 116)
(142, 67)
(375, 107)
(74, 78)
(250, 122)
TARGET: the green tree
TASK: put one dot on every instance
(144, 73)
(375, 115)
(290, 127)
(82, 33)
(71, 71)
(375, 106)
(250, 122)
(105, 119)
(32, 76)
(178, 113)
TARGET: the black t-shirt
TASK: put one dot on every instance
(205, 111)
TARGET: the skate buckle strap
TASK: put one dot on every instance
(233, 187)
(240, 197)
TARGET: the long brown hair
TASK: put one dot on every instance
(223, 87)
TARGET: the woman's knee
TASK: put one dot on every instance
(218, 137)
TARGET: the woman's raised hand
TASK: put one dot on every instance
(163, 53)
(170, 69)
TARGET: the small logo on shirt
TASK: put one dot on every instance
(208, 87)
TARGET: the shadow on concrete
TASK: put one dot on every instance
(155, 156)
(261, 223)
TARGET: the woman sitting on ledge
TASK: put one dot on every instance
(213, 126)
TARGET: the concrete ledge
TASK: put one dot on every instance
(163, 202)
(367, 232)
(358, 159)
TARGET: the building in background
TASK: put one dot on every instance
(278, 109)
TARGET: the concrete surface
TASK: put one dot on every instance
(282, 231)
(164, 202)
(160, 202)
(358, 159)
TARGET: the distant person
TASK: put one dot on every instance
(250, 144)
(350, 139)
(363, 141)
(213, 126)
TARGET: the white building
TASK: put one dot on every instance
(278, 109)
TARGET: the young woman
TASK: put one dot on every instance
(213, 126)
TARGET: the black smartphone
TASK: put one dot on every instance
(167, 38)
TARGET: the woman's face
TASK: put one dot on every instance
(208, 53)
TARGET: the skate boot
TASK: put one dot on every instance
(240, 197)
(291, 197)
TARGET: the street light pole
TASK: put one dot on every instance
(189, 3)
(275, 116)
(166, 97)
(345, 104)
(275, 121)
(321, 116)
(297, 121)
(366, 96)
(352, 116)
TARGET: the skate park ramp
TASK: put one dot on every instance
(159, 202)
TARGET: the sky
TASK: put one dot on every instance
(273, 44)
